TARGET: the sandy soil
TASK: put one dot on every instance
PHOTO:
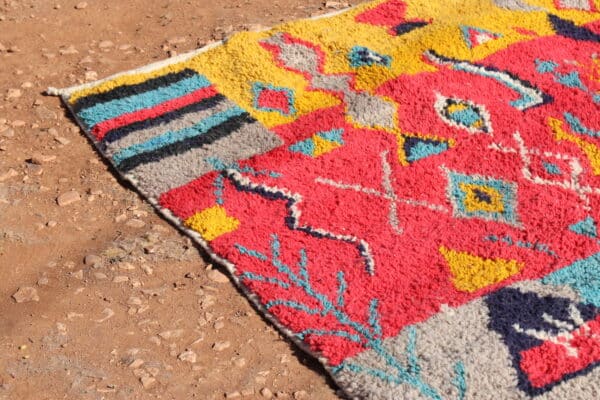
(101, 298)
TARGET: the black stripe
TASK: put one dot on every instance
(129, 90)
(210, 136)
(568, 29)
(121, 132)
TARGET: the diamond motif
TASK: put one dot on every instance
(463, 114)
(273, 99)
(475, 196)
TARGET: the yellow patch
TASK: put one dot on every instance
(471, 273)
(473, 203)
(240, 62)
(323, 146)
(591, 150)
(212, 222)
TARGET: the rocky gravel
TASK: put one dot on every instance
(100, 298)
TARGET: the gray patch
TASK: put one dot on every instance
(183, 122)
(171, 172)
(370, 111)
(336, 83)
(583, 5)
(295, 56)
(452, 336)
(460, 335)
(517, 5)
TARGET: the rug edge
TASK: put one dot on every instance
(212, 256)
(67, 91)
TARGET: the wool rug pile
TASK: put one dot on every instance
(410, 189)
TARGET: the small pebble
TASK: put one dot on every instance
(217, 276)
(11, 173)
(172, 334)
(147, 381)
(138, 362)
(92, 259)
(26, 294)
(266, 393)
(120, 279)
(68, 198)
(220, 346)
(81, 5)
(188, 356)
(40, 159)
(135, 223)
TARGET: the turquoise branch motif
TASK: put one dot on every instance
(219, 181)
(368, 334)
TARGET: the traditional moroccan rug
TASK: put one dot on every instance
(410, 189)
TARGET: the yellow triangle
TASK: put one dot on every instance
(323, 146)
(471, 273)
(212, 222)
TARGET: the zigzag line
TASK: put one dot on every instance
(292, 220)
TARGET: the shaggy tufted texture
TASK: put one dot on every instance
(410, 189)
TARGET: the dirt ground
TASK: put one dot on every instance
(100, 298)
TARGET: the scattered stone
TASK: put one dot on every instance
(233, 395)
(120, 218)
(13, 94)
(217, 276)
(11, 173)
(220, 346)
(105, 44)
(138, 362)
(188, 356)
(135, 223)
(134, 301)
(91, 75)
(51, 224)
(17, 123)
(81, 5)
(336, 5)
(219, 325)
(7, 132)
(147, 381)
(77, 274)
(40, 159)
(68, 198)
(62, 140)
(26, 294)
(239, 362)
(300, 395)
(282, 395)
(266, 393)
(34, 169)
(43, 281)
(92, 260)
(120, 279)
(147, 269)
(255, 27)
(68, 51)
(100, 276)
(248, 392)
(108, 313)
(126, 266)
(171, 334)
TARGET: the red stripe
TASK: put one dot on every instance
(101, 129)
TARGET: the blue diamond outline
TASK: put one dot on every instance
(457, 197)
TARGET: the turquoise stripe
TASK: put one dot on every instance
(111, 109)
(177, 136)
